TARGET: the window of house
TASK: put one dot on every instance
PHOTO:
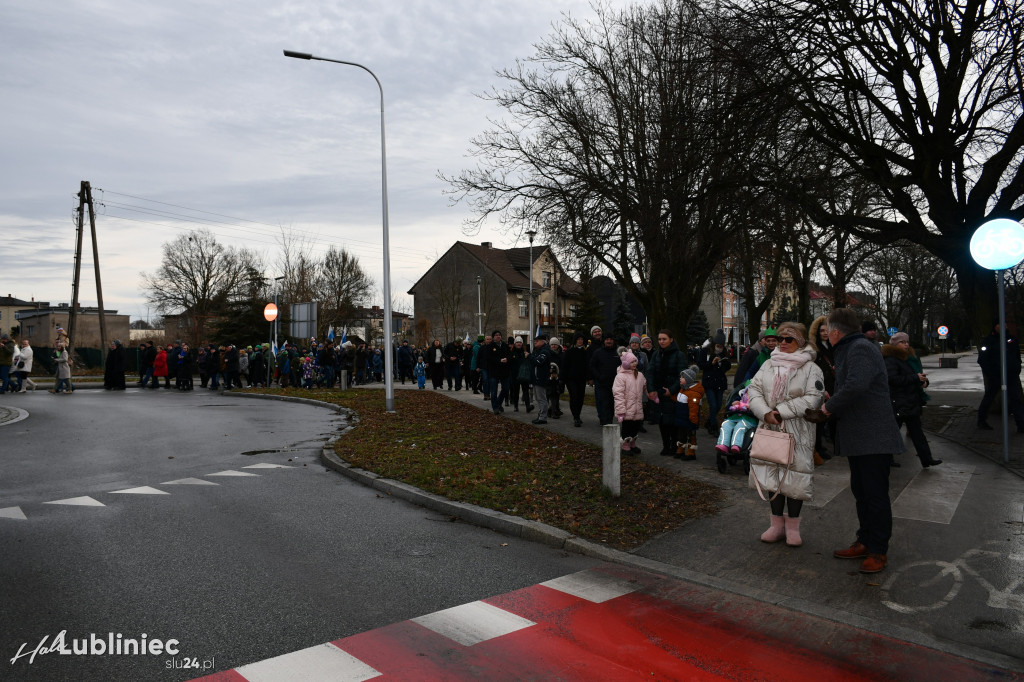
(574, 309)
(547, 310)
(545, 279)
(524, 309)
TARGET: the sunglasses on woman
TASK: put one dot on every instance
(787, 339)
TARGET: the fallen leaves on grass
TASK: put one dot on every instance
(446, 447)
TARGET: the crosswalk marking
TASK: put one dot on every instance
(189, 481)
(473, 623)
(13, 513)
(231, 472)
(321, 663)
(141, 490)
(592, 586)
(84, 501)
(934, 494)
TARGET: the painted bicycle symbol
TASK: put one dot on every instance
(930, 585)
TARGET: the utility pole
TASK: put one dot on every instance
(84, 200)
(79, 219)
(96, 266)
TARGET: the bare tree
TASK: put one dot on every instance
(622, 146)
(920, 98)
(198, 276)
(340, 286)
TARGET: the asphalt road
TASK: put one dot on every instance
(252, 567)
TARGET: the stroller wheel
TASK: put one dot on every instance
(722, 464)
(746, 465)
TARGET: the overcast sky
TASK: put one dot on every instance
(194, 105)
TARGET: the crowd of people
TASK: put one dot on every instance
(832, 385)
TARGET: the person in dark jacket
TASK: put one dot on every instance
(231, 371)
(906, 387)
(575, 371)
(257, 367)
(184, 367)
(405, 361)
(202, 364)
(667, 363)
(497, 362)
(520, 375)
(148, 358)
(540, 365)
(714, 363)
(825, 361)
(752, 357)
(991, 373)
(468, 380)
(604, 365)
(556, 386)
(434, 359)
(866, 434)
(113, 371)
(453, 364)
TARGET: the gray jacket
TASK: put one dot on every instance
(865, 424)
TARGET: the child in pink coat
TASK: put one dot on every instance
(628, 390)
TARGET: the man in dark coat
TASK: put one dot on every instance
(866, 434)
(991, 372)
(575, 372)
(148, 353)
(498, 363)
(405, 361)
(113, 374)
(604, 363)
(540, 365)
(453, 364)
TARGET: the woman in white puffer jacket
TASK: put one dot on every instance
(23, 366)
(786, 385)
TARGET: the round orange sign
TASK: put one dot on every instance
(270, 312)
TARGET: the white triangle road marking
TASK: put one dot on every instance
(189, 481)
(141, 490)
(230, 472)
(264, 465)
(13, 513)
(84, 501)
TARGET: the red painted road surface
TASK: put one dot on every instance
(616, 623)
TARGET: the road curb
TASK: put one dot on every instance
(535, 531)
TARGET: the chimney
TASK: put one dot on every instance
(486, 245)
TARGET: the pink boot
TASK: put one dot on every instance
(792, 532)
(777, 531)
(724, 449)
(626, 444)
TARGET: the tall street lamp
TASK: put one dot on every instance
(479, 310)
(999, 245)
(389, 384)
(531, 234)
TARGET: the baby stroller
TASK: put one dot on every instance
(724, 459)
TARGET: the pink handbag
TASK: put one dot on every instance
(773, 447)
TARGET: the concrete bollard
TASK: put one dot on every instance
(343, 379)
(611, 464)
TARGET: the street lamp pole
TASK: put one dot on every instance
(531, 234)
(479, 309)
(999, 245)
(389, 384)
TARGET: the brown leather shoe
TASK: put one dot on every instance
(873, 564)
(854, 551)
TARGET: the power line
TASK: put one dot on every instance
(303, 233)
